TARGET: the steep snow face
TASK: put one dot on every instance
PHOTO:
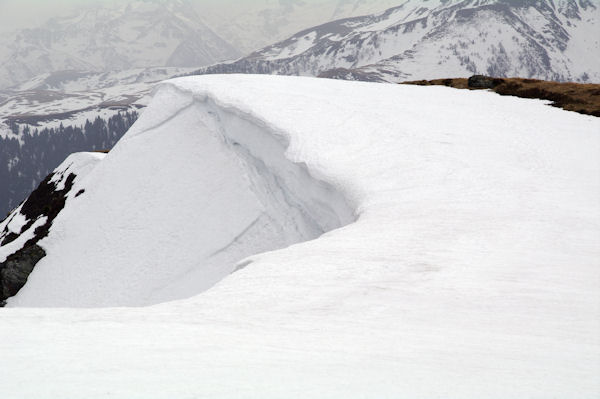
(215, 183)
(433, 39)
(471, 270)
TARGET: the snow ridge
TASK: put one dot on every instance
(263, 201)
(474, 256)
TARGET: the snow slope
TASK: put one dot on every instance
(471, 269)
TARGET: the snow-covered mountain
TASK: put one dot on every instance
(96, 37)
(438, 235)
(545, 39)
(109, 34)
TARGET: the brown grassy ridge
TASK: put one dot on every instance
(578, 97)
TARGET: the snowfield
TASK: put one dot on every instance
(420, 242)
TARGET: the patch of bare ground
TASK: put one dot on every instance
(578, 97)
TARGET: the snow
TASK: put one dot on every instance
(16, 223)
(256, 200)
(301, 44)
(584, 40)
(435, 39)
(466, 264)
(14, 246)
(250, 25)
(81, 97)
(406, 12)
(79, 164)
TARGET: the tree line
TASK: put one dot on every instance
(23, 165)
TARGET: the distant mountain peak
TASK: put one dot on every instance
(140, 33)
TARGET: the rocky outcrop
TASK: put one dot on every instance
(577, 97)
(17, 268)
(484, 82)
(47, 200)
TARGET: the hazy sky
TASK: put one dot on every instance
(27, 13)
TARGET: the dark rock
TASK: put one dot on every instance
(17, 267)
(47, 201)
(484, 82)
(10, 237)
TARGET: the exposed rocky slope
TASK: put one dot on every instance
(23, 228)
(577, 97)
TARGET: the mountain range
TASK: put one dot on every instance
(97, 38)
(115, 35)
(544, 39)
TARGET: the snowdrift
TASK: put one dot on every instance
(191, 190)
(457, 251)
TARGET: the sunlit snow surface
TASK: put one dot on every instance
(472, 269)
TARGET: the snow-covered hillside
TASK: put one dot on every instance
(552, 40)
(71, 97)
(460, 254)
(123, 35)
(46, 118)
